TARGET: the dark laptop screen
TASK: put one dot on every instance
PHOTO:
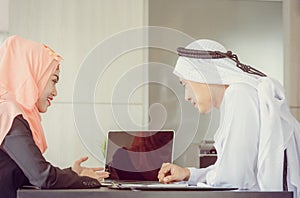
(137, 155)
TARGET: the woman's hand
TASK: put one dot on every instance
(170, 173)
(90, 172)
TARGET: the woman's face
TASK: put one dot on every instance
(48, 93)
(203, 96)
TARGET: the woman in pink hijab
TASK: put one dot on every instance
(29, 72)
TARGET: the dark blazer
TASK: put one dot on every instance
(22, 163)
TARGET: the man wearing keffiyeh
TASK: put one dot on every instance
(258, 139)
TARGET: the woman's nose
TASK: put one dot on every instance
(54, 93)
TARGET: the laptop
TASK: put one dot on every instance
(134, 158)
(137, 156)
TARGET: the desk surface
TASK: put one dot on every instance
(108, 193)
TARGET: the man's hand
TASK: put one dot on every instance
(170, 173)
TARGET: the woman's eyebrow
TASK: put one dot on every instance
(56, 76)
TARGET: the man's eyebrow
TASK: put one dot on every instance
(56, 76)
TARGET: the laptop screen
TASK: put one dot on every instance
(137, 155)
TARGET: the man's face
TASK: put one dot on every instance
(198, 94)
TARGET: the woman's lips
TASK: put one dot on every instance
(49, 101)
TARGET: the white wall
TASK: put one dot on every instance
(4, 15)
(291, 16)
(4, 19)
(73, 28)
(258, 40)
(3, 35)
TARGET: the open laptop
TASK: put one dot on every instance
(136, 156)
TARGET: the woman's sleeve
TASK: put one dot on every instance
(237, 153)
(20, 146)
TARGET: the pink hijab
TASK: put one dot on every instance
(25, 67)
